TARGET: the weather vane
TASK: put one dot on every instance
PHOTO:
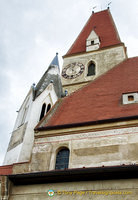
(93, 9)
(109, 4)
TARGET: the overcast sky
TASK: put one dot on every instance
(32, 31)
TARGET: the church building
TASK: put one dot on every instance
(76, 133)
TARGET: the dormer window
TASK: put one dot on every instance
(92, 42)
(130, 98)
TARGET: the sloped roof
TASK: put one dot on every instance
(102, 23)
(100, 99)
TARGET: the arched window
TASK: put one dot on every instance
(91, 69)
(42, 111)
(62, 159)
(48, 107)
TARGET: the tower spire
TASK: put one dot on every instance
(55, 61)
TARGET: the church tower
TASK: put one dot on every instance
(97, 49)
(36, 105)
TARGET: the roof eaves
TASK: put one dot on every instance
(86, 123)
(79, 174)
(101, 48)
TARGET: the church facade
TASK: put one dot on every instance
(79, 139)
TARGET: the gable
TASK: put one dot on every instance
(92, 42)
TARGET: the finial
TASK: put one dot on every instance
(57, 54)
(109, 4)
(93, 9)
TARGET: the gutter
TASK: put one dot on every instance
(76, 175)
(86, 123)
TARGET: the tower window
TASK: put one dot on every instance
(48, 107)
(42, 111)
(62, 159)
(91, 69)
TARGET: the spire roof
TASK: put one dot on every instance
(55, 61)
(103, 25)
(51, 74)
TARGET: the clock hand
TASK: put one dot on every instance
(73, 70)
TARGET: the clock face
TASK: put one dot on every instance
(73, 70)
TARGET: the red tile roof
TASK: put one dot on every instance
(102, 23)
(6, 170)
(100, 99)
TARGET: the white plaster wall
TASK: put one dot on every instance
(27, 102)
(22, 152)
(12, 155)
(47, 94)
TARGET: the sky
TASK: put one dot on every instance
(32, 31)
